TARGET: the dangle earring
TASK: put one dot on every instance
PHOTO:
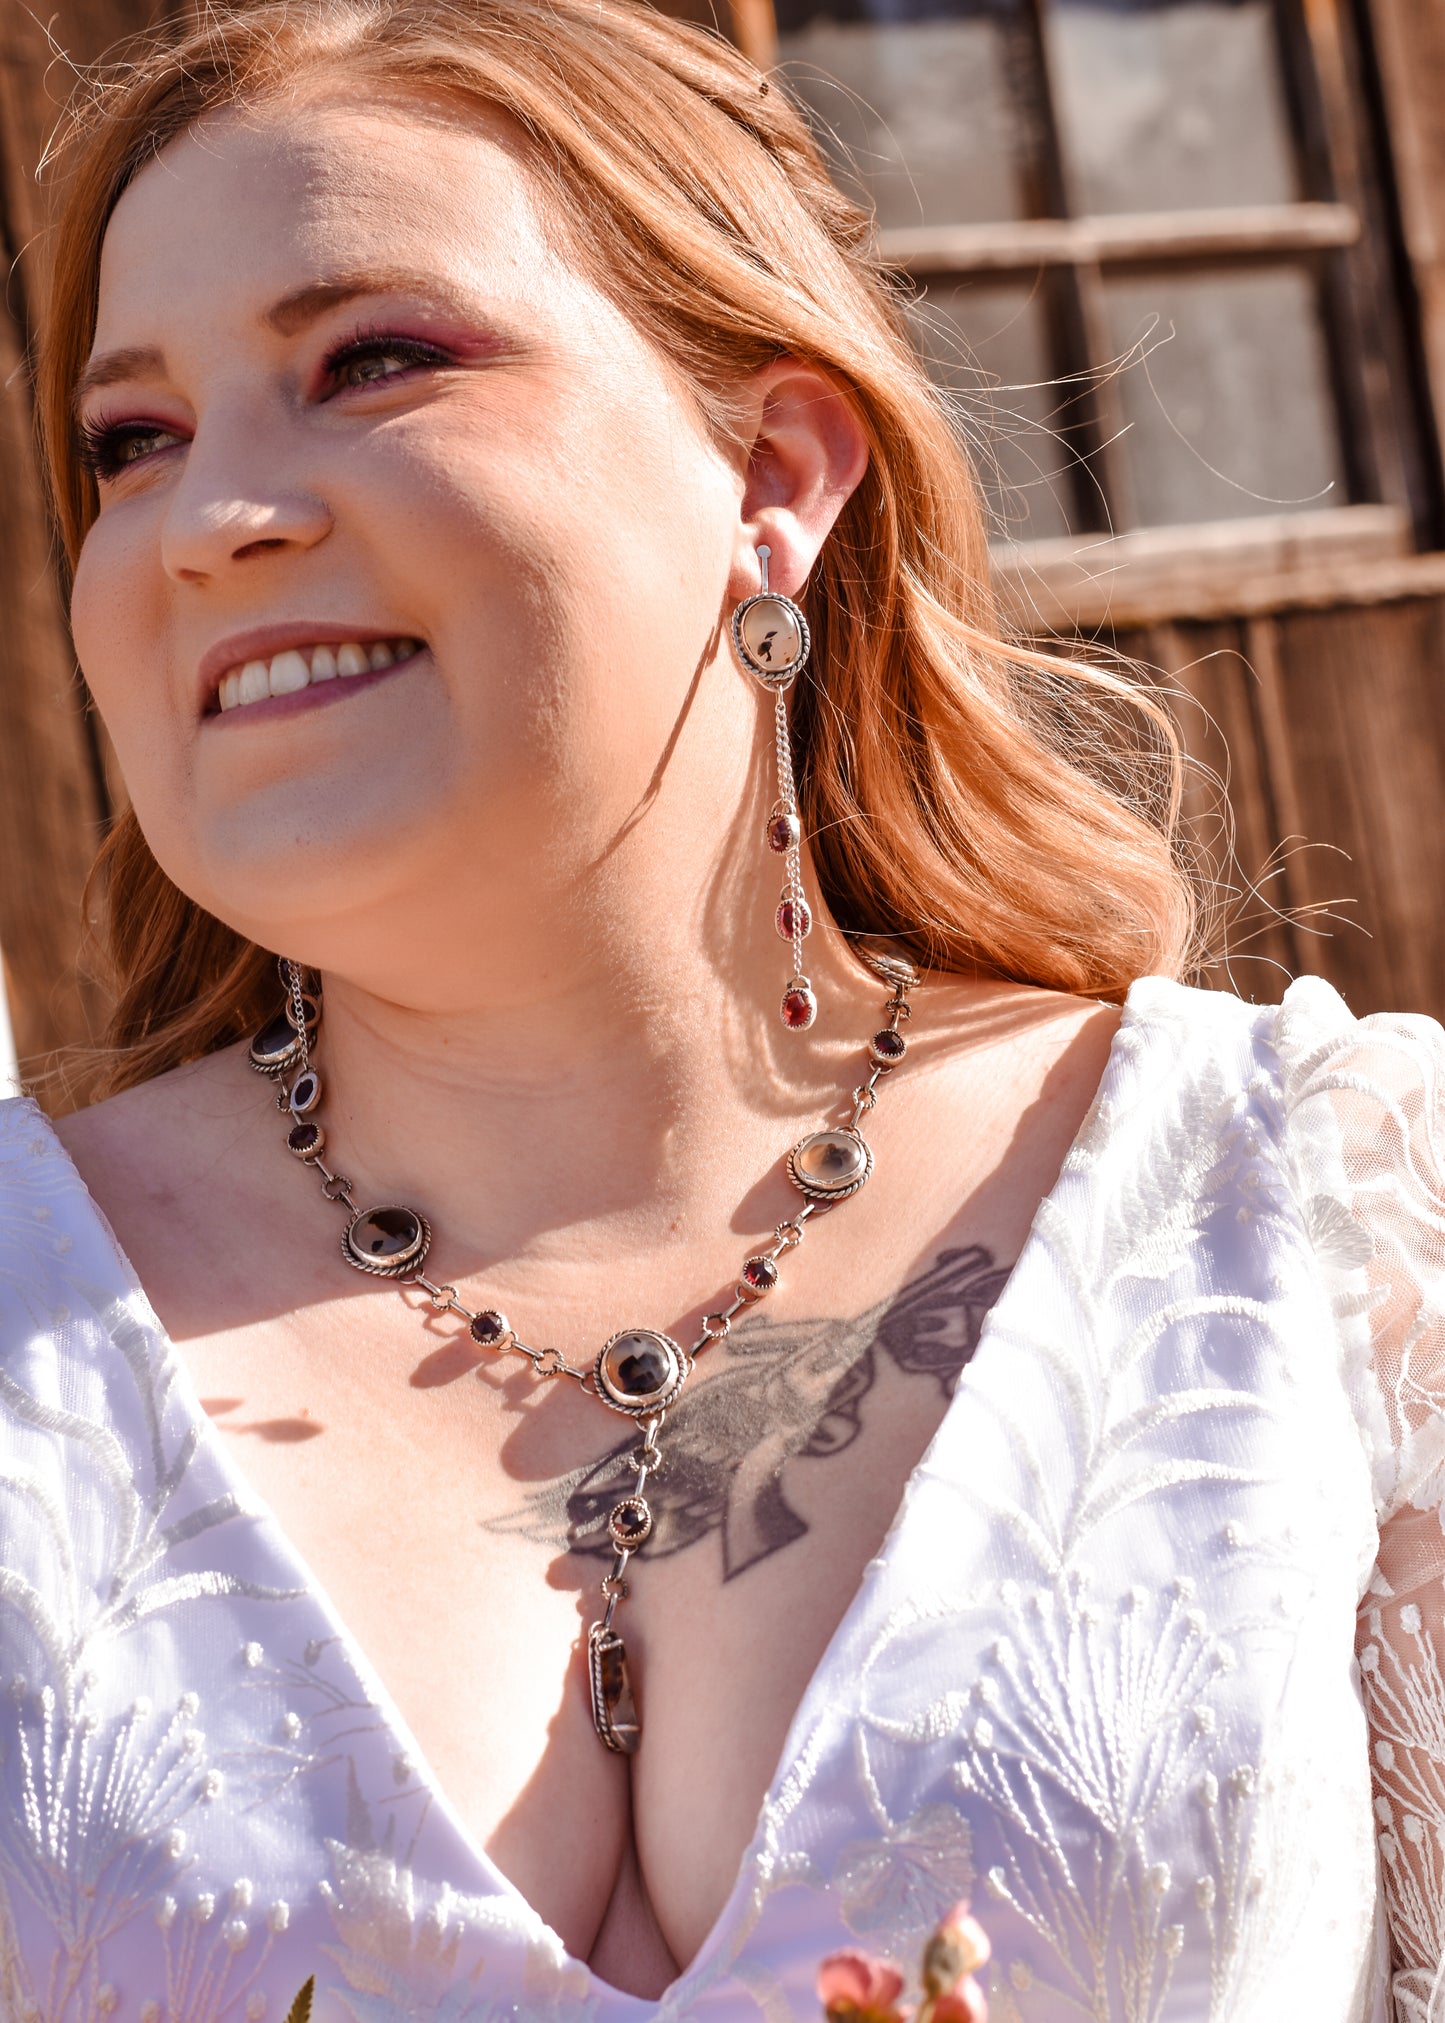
(771, 639)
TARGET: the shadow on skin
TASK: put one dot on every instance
(286, 1432)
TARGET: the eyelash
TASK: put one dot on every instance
(100, 444)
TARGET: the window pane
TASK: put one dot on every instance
(911, 97)
(1170, 104)
(1236, 376)
(988, 345)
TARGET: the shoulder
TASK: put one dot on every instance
(160, 1139)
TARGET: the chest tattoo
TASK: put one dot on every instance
(788, 1390)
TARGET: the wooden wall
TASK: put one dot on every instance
(1329, 727)
(52, 790)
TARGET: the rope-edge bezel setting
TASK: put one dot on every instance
(407, 1263)
(771, 677)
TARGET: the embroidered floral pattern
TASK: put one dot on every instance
(1099, 1679)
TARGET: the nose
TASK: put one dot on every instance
(238, 498)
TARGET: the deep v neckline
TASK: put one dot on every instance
(626, 2008)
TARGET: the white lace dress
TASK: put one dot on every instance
(1102, 1675)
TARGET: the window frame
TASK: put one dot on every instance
(1346, 230)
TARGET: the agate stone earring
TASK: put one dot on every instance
(771, 640)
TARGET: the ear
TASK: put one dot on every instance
(808, 453)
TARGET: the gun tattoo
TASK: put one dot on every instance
(788, 1390)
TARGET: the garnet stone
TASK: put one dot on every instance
(783, 831)
(639, 1371)
(887, 1047)
(829, 1164)
(388, 1241)
(759, 1276)
(630, 1523)
(488, 1328)
(799, 1008)
(785, 915)
(306, 1141)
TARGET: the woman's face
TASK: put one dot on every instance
(347, 395)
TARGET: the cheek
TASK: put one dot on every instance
(118, 620)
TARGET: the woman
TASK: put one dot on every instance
(427, 393)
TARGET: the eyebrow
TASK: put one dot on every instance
(133, 362)
(292, 313)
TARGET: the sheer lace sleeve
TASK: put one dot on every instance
(1366, 1103)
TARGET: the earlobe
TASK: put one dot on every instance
(809, 453)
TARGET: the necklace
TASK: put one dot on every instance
(639, 1371)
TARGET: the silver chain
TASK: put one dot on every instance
(646, 1459)
(788, 805)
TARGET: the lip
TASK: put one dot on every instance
(262, 641)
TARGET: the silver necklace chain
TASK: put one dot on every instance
(639, 1371)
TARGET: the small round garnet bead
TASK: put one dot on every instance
(759, 1276)
(630, 1523)
(783, 831)
(887, 1047)
(306, 1141)
(488, 1328)
(799, 1007)
(789, 911)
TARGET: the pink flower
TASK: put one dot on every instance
(856, 1988)
(963, 2004)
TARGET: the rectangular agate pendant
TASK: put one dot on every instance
(614, 1708)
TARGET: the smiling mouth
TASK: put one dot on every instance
(302, 667)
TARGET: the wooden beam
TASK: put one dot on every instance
(754, 27)
(1228, 568)
(52, 797)
(1241, 232)
(1410, 51)
(50, 812)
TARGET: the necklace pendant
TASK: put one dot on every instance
(830, 1165)
(614, 1704)
(639, 1371)
(390, 1242)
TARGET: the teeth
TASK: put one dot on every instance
(289, 673)
(255, 684)
(297, 668)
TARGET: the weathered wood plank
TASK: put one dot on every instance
(52, 793)
(1360, 697)
(49, 807)
(1219, 569)
(1409, 39)
(1244, 231)
(1230, 803)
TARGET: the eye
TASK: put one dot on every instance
(108, 448)
(365, 360)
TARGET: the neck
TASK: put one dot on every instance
(634, 1094)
